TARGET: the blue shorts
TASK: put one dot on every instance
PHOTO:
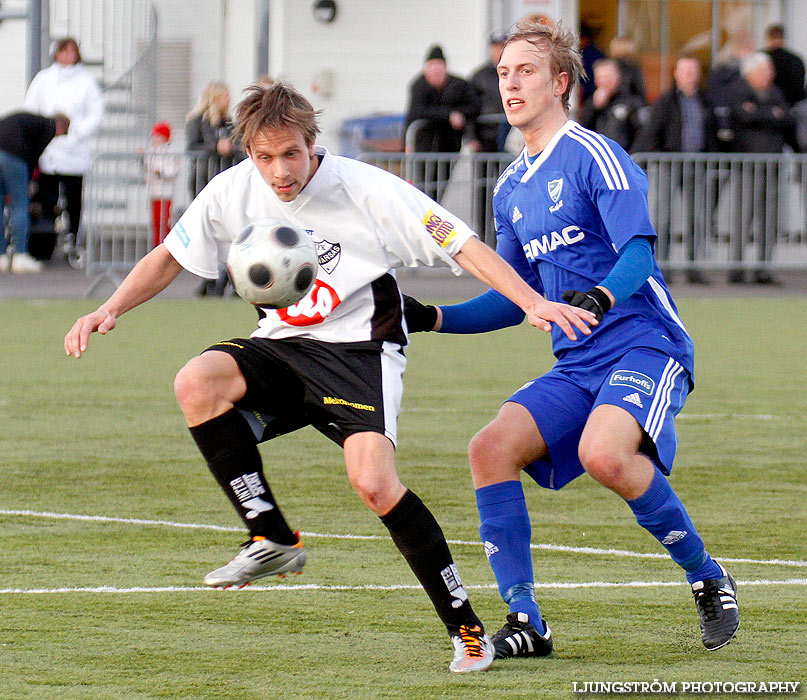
(648, 384)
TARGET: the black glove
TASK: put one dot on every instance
(419, 317)
(594, 300)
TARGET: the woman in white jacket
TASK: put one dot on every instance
(67, 87)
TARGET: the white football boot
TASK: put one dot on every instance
(473, 650)
(260, 557)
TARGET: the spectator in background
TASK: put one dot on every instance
(681, 121)
(209, 137)
(788, 67)
(622, 49)
(444, 104)
(161, 171)
(762, 121)
(611, 110)
(490, 127)
(590, 54)
(724, 81)
(66, 87)
(23, 138)
(488, 133)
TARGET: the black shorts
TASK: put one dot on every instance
(338, 388)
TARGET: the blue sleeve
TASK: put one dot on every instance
(634, 266)
(487, 312)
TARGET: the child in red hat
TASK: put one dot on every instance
(161, 171)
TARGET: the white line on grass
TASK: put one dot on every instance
(372, 587)
(548, 547)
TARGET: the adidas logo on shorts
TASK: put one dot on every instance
(635, 399)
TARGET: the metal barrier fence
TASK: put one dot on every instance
(121, 222)
(711, 211)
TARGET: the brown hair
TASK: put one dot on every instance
(277, 106)
(560, 45)
(64, 43)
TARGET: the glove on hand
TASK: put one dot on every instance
(594, 300)
(419, 317)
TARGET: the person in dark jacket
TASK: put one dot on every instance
(23, 138)
(762, 120)
(487, 129)
(789, 67)
(590, 53)
(488, 133)
(209, 137)
(724, 81)
(623, 50)
(681, 121)
(611, 110)
(441, 105)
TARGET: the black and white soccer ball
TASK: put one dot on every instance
(273, 263)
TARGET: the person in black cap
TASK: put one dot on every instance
(23, 138)
(442, 105)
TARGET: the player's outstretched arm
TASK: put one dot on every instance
(482, 262)
(148, 278)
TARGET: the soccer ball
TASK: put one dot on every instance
(273, 263)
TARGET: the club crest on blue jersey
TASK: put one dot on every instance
(555, 187)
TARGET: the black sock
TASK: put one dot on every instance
(228, 444)
(421, 541)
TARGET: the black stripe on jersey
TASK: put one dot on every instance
(387, 321)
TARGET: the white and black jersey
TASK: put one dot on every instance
(365, 221)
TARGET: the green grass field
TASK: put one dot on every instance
(115, 609)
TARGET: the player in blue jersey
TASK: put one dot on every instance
(572, 218)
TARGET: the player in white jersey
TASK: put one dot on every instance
(572, 218)
(335, 359)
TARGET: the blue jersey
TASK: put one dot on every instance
(560, 222)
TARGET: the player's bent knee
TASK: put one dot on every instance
(379, 496)
(205, 381)
(604, 467)
(490, 458)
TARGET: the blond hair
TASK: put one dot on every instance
(276, 106)
(207, 107)
(559, 44)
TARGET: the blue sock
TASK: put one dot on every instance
(659, 511)
(505, 530)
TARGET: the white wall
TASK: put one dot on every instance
(201, 24)
(373, 49)
(14, 62)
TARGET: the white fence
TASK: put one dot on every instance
(711, 211)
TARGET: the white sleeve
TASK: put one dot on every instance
(33, 96)
(91, 114)
(413, 228)
(195, 240)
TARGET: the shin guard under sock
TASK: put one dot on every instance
(659, 511)
(421, 542)
(228, 445)
(505, 531)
